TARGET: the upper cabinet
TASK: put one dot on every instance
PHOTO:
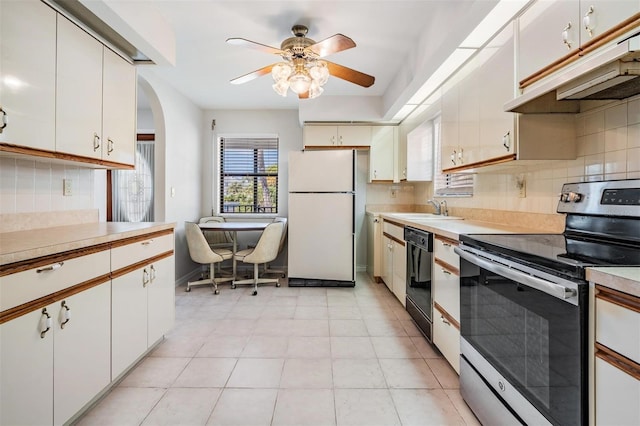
(382, 155)
(600, 16)
(336, 136)
(28, 69)
(69, 97)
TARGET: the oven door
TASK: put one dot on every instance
(525, 335)
(419, 287)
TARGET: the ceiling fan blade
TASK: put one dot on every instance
(252, 75)
(253, 45)
(333, 44)
(351, 75)
(304, 95)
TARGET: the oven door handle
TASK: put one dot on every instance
(553, 289)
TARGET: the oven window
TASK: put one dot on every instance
(534, 340)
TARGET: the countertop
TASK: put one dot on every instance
(24, 245)
(453, 228)
(624, 279)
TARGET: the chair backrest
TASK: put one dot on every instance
(267, 247)
(216, 237)
(284, 231)
(199, 249)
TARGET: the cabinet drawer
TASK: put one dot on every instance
(447, 338)
(617, 396)
(618, 328)
(124, 256)
(393, 230)
(25, 286)
(446, 290)
(443, 250)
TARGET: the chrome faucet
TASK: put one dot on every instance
(445, 209)
(436, 205)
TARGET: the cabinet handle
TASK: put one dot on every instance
(333, 140)
(96, 141)
(444, 271)
(4, 121)
(506, 140)
(340, 140)
(153, 273)
(109, 146)
(446, 245)
(45, 321)
(50, 268)
(66, 314)
(453, 157)
(145, 277)
(442, 318)
(375, 174)
(146, 243)
(565, 36)
(589, 21)
(460, 154)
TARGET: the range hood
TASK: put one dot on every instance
(612, 72)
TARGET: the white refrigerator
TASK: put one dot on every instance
(322, 218)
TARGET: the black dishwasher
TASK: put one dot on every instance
(419, 297)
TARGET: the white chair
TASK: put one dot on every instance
(267, 269)
(265, 251)
(201, 252)
(217, 239)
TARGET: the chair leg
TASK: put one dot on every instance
(255, 278)
(212, 272)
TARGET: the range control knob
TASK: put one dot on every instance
(570, 197)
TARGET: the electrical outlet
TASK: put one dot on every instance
(522, 190)
(66, 187)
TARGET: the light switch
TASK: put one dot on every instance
(173, 192)
(66, 187)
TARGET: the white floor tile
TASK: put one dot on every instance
(244, 407)
(296, 407)
(123, 406)
(265, 347)
(352, 347)
(309, 347)
(365, 407)
(408, 374)
(206, 373)
(154, 372)
(189, 407)
(223, 346)
(422, 407)
(395, 347)
(346, 327)
(313, 373)
(357, 374)
(256, 373)
(445, 374)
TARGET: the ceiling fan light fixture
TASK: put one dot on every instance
(281, 87)
(315, 90)
(299, 82)
(319, 72)
(281, 71)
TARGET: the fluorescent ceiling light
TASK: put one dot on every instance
(502, 13)
(444, 71)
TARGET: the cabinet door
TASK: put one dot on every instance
(119, 109)
(617, 396)
(446, 290)
(496, 86)
(400, 164)
(387, 262)
(128, 320)
(82, 350)
(449, 119)
(447, 338)
(26, 376)
(381, 155)
(160, 299)
(600, 15)
(354, 135)
(400, 272)
(78, 92)
(541, 29)
(320, 135)
(28, 69)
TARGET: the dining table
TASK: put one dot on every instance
(233, 227)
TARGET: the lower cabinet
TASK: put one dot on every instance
(446, 336)
(57, 358)
(142, 311)
(394, 260)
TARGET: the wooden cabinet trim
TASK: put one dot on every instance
(446, 240)
(446, 315)
(34, 152)
(130, 240)
(446, 266)
(391, 237)
(588, 47)
(619, 298)
(489, 162)
(621, 362)
(393, 222)
(124, 271)
(41, 302)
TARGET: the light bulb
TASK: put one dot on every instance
(299, 83)
(281, 87)
(315, 90)
(320, 72)
(281, 71)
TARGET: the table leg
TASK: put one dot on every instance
(235, 249)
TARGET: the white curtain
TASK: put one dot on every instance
(132, 190)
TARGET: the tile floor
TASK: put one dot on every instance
(289, 356)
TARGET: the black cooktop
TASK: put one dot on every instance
(559, 254)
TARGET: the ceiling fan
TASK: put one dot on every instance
(303, 70)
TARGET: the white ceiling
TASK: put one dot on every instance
(399, 42)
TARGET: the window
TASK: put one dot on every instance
(248, 175)
(448, 184)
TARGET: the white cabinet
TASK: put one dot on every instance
(446, 300)
(143, 306)
(617, 357)
(374, 246)
(382, 155)
(599, 16)
(336, 136)
(57, 358)
(28, 68)
(394, 263)
(419, 151)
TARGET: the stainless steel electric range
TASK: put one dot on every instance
(524, 307)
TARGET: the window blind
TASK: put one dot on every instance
(249, 175)
(448, 184)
